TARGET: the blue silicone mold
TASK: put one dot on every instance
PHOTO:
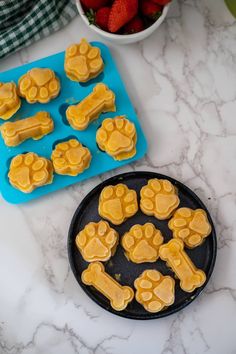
(71, 92)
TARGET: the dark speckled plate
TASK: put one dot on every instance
(202, 256)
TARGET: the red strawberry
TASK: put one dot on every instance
(101, 18)
(134, 26)
(122, 11)
(161, 2)
(94, 4)
(150, 9)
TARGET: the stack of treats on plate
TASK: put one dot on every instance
(98, 241)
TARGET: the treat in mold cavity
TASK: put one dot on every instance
(70, 158)
(83, 61)
(100, 100)
(10, 102)
(35, 127)
(39, 85)
(117, 137)
(29, 171)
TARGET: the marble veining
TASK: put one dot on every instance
(182, 81)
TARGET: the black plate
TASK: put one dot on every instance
(202, 256)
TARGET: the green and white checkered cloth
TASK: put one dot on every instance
(23, 22)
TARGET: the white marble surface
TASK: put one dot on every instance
(182, 81)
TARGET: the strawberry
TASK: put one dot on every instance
(150, 9)
(134, 26)
(101, 17)
(161, 2)
(122, 11)
(94, 4)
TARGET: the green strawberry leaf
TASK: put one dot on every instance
(157, 15)
(91, 16)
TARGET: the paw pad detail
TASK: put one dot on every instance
(29, 171)
(97, 241)
(9, 100)
(83, 62)
(100, 100)
(70, 158)
(39, 85)
(117, 203)
(154, 291)
(142, 243)
(117, 136)
(191, 226)
(159, 198)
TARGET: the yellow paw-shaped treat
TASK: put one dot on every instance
(118, 295)
(154, 291)
(159, 198)
(39, 85)
(191, 226)
(97, 241)
(29, 171)
(117, 203)
(35, 127)
(142, 243)
(100, 100)
(9, 100)
(117, 136)
(70, 158)
(177, 259)
(83, 62)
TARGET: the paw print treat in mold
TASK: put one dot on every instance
(70, 158)
(97, 241)
(118, 295)
(154, 291)
(100, 100)
(9, 100)
(142, 243)
(117, 137)
(83, 61)
(29, 171)
(35, 127)
(191, 226)
(190, 277)
(159, 198)
(39, 85)
(117, 203)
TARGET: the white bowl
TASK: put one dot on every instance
(123, 38)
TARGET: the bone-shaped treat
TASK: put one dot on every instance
(100, 100)
(175, 256)
(14, 133)
(118, 295)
